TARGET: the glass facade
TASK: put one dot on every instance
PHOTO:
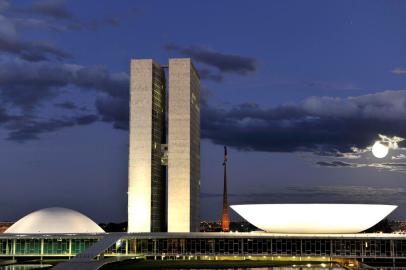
(158, 172)
(158, 246)
(194, 148)
(44, 247)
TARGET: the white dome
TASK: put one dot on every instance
(313, 218)
(54, 220)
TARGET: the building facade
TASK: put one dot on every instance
(164, 163)
(183, 147)
(383, 248)
(147, 179)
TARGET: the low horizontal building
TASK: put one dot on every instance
(385, 247)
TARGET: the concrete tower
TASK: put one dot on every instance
(225, 219)
(152, 147)
(183, 147)
(146, 175)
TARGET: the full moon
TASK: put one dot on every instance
(379, 150)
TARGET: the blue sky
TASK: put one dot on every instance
(298, 90)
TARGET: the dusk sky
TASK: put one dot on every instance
(298, 90)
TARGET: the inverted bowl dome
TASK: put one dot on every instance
(313, 218)
(54, 220)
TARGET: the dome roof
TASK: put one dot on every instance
(54, 220)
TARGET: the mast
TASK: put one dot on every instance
(225, 220)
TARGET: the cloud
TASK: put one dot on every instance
(401, 165)
(320, 194)
(4, 116)
(388, 166)
(68, 105)
(7, 28)
(354, 194)
(28, 128)
(207, 74)
(4, 4)
(32, 51)
(325, 125)
(400, 156)
(114, 110)
(30, 76)
(54, 15)
(86, 119)
(52, 8)
(333, 164)
(391, 142)
(27, 84)
(28, 50)
(224, 63)
(99, 78)
(399, 71)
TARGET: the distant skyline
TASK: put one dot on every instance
(297, 90)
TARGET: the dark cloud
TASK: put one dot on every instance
(333, 164)
(225, 63)
(52, 8)
(69, 105)
(99, 78)
(54, 15)
(26, 84)
(319, 124)
(4, 116)
(28, 128)
(29, 77)
(11, 43)
(86, 119)
(114, 110)
(206, 74)
(31, 51)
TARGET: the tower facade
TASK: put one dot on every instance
(164, 154)
(147, 179)
(183, 146)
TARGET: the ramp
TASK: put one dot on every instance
(84, 260)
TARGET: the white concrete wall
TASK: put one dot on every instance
(139, 170)
(183, 170)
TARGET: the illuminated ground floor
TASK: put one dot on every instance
(390, 248)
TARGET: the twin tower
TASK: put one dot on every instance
(164, 154)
